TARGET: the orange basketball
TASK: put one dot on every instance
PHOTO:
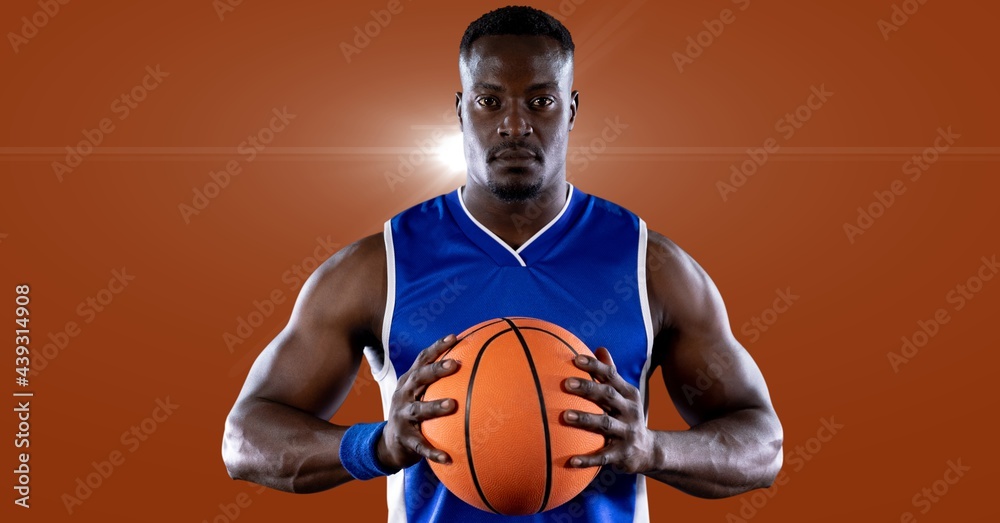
(508, 444)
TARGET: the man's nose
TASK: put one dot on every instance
(514, 124)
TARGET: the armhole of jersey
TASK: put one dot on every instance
(647, 318)
(641, 514)
(390, 303)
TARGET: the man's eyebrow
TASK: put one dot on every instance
(489, 87)
(533, 87)
(543, 85)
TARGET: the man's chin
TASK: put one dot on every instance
(515, 185)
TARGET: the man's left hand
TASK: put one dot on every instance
(630, 444)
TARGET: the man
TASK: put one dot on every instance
(476, 256)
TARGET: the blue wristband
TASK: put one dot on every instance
(358, 449)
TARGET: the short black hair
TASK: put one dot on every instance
(516, 20)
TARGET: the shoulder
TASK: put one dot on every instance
(359, 258)
(665, 256)
(349, 287)
(680, 291)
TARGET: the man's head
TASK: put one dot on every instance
(517, 106)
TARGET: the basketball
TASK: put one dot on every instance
(509, 447)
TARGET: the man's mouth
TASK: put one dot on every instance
(515, 154)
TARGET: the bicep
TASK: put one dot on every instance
(313, 362)
(706, 371)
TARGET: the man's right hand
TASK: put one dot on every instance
(402, 443)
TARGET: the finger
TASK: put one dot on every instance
(603, 424)
(418, 445)
(417, 411)
(601, 394)
(426, 356)
(429, 373)
(603, 369)
(597, 459)
(604, 356)
(435, 351)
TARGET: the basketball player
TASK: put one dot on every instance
(583, 263)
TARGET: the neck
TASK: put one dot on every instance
(515, 222)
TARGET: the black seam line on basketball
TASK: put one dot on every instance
(468, 417)
(554, 335)
(568, 346)
(545, 418)
(479, 329)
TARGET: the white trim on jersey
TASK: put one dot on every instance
(647, 318)
(641, 503)
(569, 196)
(517, 253)
(395, 497)
(379, 370)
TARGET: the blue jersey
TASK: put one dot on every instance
(584, 271)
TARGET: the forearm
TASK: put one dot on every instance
(283, 448)
(722, 457)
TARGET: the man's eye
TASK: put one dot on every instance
(488, 101)
(543, 102)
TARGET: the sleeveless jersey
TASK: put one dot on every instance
(584, 271)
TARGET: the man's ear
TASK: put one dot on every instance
(458, 108)
(573, 107)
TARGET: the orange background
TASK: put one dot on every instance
(162, 336)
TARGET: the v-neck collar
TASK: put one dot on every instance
(500, 251)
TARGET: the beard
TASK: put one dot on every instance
(516, 191)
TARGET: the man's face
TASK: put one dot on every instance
(516, 112)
